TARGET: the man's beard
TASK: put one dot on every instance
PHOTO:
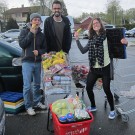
(57, 14)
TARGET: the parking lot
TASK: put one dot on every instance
(22, 124)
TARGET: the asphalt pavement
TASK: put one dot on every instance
(22, 124)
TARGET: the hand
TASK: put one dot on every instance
(34, 28)
(76, 35)
(34, 31)
(124, 41)
(35, 52)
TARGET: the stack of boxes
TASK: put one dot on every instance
(13, 101)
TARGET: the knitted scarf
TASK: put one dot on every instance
(96, 49)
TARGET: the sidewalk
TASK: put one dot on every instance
(130, 43)
(36, 125)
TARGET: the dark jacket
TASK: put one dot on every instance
(51, 38)
(26, 42)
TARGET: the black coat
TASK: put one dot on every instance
(50, 35)
(26, 42)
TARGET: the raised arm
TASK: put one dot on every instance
(81, 48)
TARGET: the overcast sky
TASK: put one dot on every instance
(76, 7)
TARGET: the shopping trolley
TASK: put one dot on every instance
(124, 79)
(58, 84)
(55, 84)
(57, 79)
(80, 72)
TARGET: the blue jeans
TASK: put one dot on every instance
(31, 73)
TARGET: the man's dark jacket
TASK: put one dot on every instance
(50, 34)
(26, 42)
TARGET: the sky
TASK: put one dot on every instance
(76, 7)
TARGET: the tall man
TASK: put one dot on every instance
(57, 31)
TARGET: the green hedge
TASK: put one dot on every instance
(127, 26)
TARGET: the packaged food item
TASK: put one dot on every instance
(81, 114)
(70, 117)
(62, 118)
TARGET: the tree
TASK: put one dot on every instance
(28, 18)
(81, 17)
(130, 15)
(114, 10)
(3, 7)
(12, 24)
(48, 3)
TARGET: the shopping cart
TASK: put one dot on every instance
(57, 79)
(79, 73)
(124, 78)
(56, 84)
(72, 128)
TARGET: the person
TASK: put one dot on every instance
(99, 60)
(58, 33)
(33, 44)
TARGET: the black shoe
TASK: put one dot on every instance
(79, 85)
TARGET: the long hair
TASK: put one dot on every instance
(92, 32)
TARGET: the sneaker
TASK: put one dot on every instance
(91, 109)
(112, 115)
(41, 106)
(31, 111)
(79, 85)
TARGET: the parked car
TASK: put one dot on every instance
(85, 34)
(21, 25)
(2, 118)
(108, 26)
(130, 33)
(12, 33)
(10, 69)
(8, 39)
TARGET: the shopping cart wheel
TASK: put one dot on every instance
(116, 97)
(83, 92)
(125, 117)
(105, 104)
(77, 93)
(119, 110)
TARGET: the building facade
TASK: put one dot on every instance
(20, 14)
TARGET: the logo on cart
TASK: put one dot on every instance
(77, 131)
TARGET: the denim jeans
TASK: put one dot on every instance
(31, 73)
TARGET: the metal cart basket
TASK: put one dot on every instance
(124, 78)
(58, 84)
(57, 80)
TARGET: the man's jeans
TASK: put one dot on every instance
(31, 73)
